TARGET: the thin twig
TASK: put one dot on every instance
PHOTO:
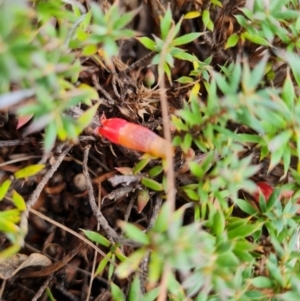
(144, 268)
(35, 195)
(37, 192)
(163, 287)
(2, 288)
(4, 143)
(95, 254)
(171, 191)
(137, 64)
(19, 160)
(110, 100)
(42, 288)
(145, 261)
(155, 212)
(99, 216)
(48, 219)
(128, 211)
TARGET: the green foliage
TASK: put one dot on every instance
(211, 247)
(10, 218)
(39, 57)
(166, 45)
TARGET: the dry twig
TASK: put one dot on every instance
(37, 192)
(42, 288)
(99, 216)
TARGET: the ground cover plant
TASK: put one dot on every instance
(95, 205)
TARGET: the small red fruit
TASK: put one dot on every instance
(133, 136)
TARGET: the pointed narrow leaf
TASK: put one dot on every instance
(86, 118)
(50, 136)
(288, 92)
(153, 185)
(141, 165)
(96, 237)
(187, 38)
(131, 264)
(22, 120)
(103, 264)
(280, 140)
(232, 41)
(134, 233)
(7, 226)
(117, 293)
(148, 43)
(256, 39)
(4, 188)
(18, 201)
(135, 290)
(29, 171)
(142, 200)
(192, 15)
(165, 24)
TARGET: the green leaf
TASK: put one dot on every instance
(242, 20)
(187, 38)
(155, 171)
(165, 24)
(12, 215)
(117, 293)
(151, 295)
(288, 92)
(162, 221)
(245, 206)
(218, 225)
(155, 268)
(192, 15)
(124, 19)
(103, 264)
(205, 17)
(186, 143)
(50, 136)
(89, 50)
(280, 140)
(29, 171)
(4, 188)
(120, 255)
(232, 41)
(96, 237)
(262, 282)
(131, 264)
(141, 165)
(257, 74)
(227, 260)
(192, 194)
(86, 118)
(18, 201)
(148, 43)
(134, 233)
(286, 160)
(135, 290)
(185, 80)
(7, 226)
(244, 230)
(153, 185)
(255, 39)
(196, 169)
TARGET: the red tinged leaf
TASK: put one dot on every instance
(133, 136)
(23, 120)
(263, 188)
(267, 190)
